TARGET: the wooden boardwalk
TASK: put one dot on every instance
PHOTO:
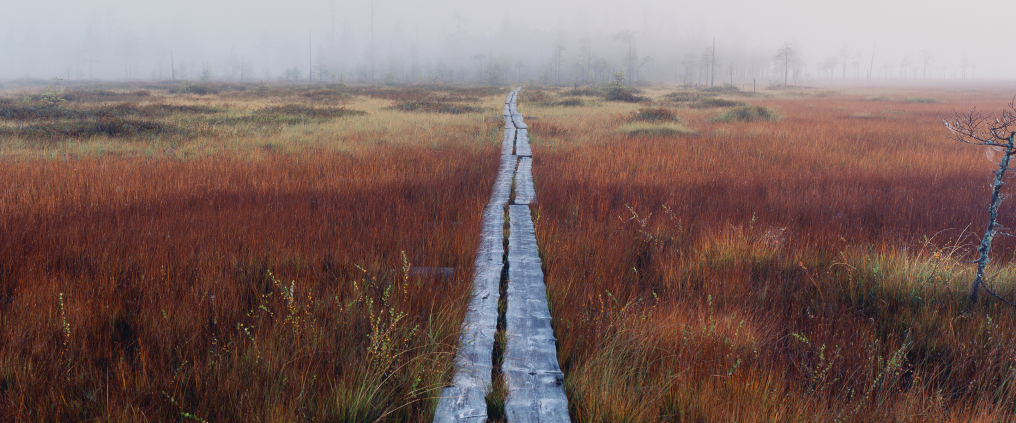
(534, 378)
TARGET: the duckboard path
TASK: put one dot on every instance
(530, 367)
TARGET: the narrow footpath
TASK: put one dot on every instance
(508, 257)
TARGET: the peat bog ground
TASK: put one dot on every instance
(237, 253)
(246, 252)
(787, 255)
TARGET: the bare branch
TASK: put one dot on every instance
(999, 134)
(993, 294)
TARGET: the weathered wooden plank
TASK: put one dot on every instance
(525, 192)
(508, 144)
(522, 147)
(427, 272)
(519, 120)
(530, 362)
(464, 400)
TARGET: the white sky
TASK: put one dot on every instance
(978, 29)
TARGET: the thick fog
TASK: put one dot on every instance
(556, 42)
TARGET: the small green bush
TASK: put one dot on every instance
(879, 98)
(287, 115)
(111, 127)
(47, 112)
(586, 92)
(99, 95)
(726, 88)
(654, 114)
(648, 129)
(436, 107)
(192, 88)
(570, 102)
(710, 103)
(748, 113)
(922, 100)
(623, 94)
(681, 97)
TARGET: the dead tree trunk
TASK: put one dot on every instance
(997, 134)
(989, 233)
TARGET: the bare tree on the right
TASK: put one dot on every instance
(998, 135)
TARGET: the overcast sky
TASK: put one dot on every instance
(42, 38)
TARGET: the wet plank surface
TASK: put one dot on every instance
(522, 147)
(530, 364)
(525, 193)
(464, 400)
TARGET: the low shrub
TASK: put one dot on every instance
(310, 112)
(110, 127)
(570, 102)
(864, 115)
(535, 96)
(748, 113)
(647, 129)
(585, 92)
(623, 94)
(12, 111)
(287, 115)
(192, 88)
(726, 88)
(51, 112)
(100, 95)
(654, 114)
(922, 100)
(435, 107)
(327, 95)
(681, 97)
(710, 103)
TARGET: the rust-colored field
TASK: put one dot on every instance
(802, 269)
(260, 279)
(282, 253)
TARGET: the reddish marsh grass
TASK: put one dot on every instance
(249, 286)
(798, 270)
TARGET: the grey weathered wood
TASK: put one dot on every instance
(535, 392)
(530, 364)
(525, 193)
(522, 146)
(464, 400)
(503, 186)
(518, 120)
(508, 146)
(426, 272)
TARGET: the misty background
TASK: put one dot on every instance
(550, 42)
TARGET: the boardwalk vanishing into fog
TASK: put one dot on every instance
(530, 368)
